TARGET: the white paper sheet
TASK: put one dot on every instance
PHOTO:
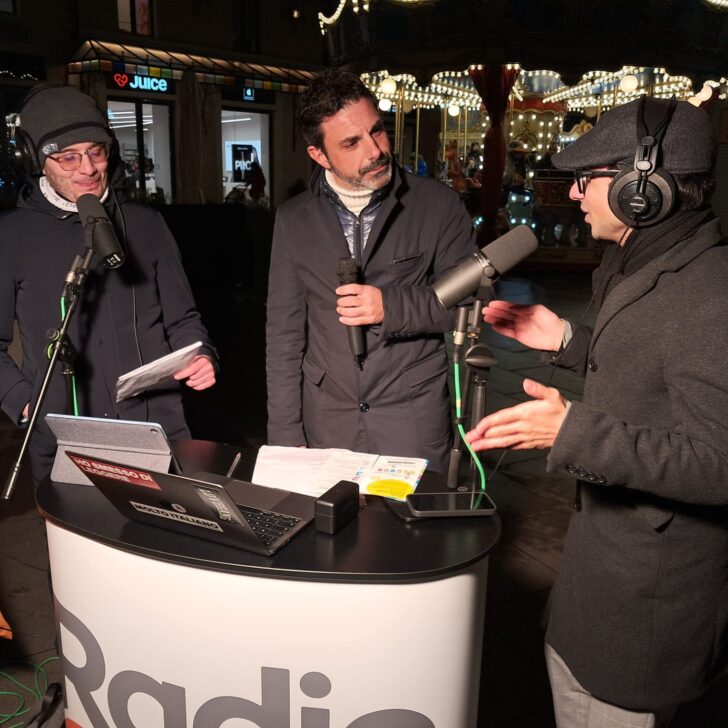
(155, 372)
(313, 471)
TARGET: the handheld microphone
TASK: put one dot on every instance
(348, 272)
(492, 261)
(103, 238)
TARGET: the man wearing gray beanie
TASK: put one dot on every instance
(638, 617)
(126, 318)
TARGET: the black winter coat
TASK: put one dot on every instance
(128, 316)
(398, 403)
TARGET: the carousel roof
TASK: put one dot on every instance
(670, 46)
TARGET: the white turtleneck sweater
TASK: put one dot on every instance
(353, 200)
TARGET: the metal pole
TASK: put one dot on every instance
(444, 132)
(417, 139)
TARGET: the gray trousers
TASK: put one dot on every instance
(574, 707)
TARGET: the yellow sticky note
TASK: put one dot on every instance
(390, 488)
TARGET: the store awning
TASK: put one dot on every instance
(96, 55)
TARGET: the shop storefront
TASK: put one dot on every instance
(140, 110)
(245, 121)
(191, 129)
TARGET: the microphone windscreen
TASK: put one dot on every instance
(89, 205)
(511, 248)
(104, 241)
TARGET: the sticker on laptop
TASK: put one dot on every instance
(175, 516)
(114, 472)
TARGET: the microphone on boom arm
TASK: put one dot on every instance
(492, 261)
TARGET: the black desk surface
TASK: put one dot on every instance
(377, 546)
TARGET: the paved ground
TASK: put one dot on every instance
(534, 506)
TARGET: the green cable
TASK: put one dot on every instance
(461, 429)
(73, 378)
(19, 710)
(40, 670)
(37, 691)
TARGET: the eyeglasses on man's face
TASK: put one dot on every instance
(582, 176)
(71, 161)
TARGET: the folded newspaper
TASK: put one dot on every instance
(156, 372)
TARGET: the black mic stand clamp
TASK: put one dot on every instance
(478, 360)
(67, 356)
(58, 349)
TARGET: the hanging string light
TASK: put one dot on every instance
(326, 21)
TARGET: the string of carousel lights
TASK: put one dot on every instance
(605, 89)
(454, 91)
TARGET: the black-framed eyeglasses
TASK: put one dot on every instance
(71, 161)
(582, 176)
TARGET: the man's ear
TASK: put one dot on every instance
(318, 156)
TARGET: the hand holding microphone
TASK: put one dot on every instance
(103, 238)
(358, 305)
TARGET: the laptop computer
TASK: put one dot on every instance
(232, 512)
(143, 444)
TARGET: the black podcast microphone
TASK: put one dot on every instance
(492, 261)
(348, 272)
(103, 238)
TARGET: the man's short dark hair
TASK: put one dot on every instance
(694, 190)
(327, 94)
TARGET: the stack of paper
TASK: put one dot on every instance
(313, 471)
(156, 372)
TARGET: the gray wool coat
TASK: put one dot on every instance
(640, 609)
(398, 403)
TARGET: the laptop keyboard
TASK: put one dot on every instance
(267, 525)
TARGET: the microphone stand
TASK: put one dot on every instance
(478, 359)
(60, 348)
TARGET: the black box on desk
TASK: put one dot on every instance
(337, 506)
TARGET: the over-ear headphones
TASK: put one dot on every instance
(23, 147)
(645, 194)
(25, 150)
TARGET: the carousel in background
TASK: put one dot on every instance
(489, 131)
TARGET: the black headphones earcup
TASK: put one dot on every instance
(24, 152)
(633, 207)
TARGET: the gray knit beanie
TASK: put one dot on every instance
(688, 147)
(58, 116)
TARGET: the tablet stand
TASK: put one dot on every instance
(58, 350)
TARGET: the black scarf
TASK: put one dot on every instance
(643, 246)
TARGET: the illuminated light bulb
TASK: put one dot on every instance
(629, 83)
(453, 109)
(385, 104)
(388, 87)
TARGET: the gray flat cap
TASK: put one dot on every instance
(688, 147)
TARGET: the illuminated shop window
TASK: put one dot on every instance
(245, 156)
(142, 131)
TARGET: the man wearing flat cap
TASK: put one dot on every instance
(126, 318)
(638, 617)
